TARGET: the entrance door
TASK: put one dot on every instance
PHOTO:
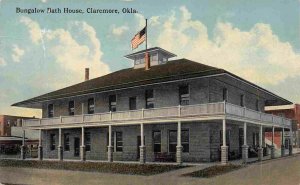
(76, 146)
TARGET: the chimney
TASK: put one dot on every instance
(87, 74)
(147, 61)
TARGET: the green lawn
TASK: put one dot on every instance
(214, 170)
(122, 168)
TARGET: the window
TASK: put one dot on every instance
(52, 141)
(66, 142)
(184, 140)
(257, 105)
(149, 99)
(156, 141)
(71, 108)
(87, 141)
(225, 94)
(132, 103)
(50, 110)
(112, 103)
(172, 141)
(91, 106)
(242, 100)
(184, 95)
(119, 142)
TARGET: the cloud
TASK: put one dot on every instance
(17, 53)
(257, 54)
(34, 29)
(2, 62)
(118, 31)
(72, 50)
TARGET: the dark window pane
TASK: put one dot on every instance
(184, 136)
(87, 140)
(185, 147)
(184, 95)
(119, 142)
(52, 141)
(91, 106)
(149, 97)
(50, 110)
(172, 148)
(112, 103)
(225, 94)
(173, 136)
(157, 148)
(71, 108)
(132, 103)
(67, 142)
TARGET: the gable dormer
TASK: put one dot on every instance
(157, 56)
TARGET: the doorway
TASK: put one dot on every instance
(76, 146)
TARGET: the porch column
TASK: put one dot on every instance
(282, 143)
(224, 148)
(245, 147)
(59, 148)
(272, 146)
(260, 148)
(82, 147)
(23, 149)
(142, 147)
(40, 149)
(109, 147)
(291, 142)
(178, 147)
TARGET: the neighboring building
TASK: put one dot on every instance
(176, 110)
(290, 112)
(11, 137)
(8, 121)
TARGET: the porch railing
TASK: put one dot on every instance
(209, 109)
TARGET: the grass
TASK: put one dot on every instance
(122, 168)
(214, 171)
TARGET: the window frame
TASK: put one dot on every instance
(225, 94)
(182, 143)
(130, 105)
(242, 100)
(149, 100)
(112, 106)
(66, 141)
(71, 110)
(156, 143)
(50, 113)
(184, 97)
(52, 142)
(118, 147)
(91, 107)
(87, 141)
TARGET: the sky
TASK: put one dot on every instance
(258, 40)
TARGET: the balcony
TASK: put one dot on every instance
(210, 111)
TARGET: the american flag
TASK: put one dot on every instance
(139, 38)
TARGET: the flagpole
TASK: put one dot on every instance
(146, 34)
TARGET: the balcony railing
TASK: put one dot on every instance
(200, 110)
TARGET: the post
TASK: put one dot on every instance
(142, 147)
(224, 148)
(273, 147)
(23, 152)
(179, 110)
(245, 147)
(260, 148)
(146, 34)
(59, 148)
(291, 142)
(109, 147)
(82, 147)
(40, 148)
(282, 143)
(179, 146)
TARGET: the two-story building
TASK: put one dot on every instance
(176, 109)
